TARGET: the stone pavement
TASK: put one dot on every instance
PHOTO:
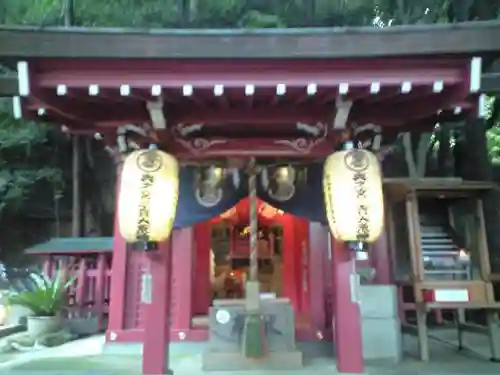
(187, 361)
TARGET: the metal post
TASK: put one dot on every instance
(77, 222)
(77, 209)
(253, 332)
(254, 226)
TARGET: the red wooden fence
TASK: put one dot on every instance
(90, 293)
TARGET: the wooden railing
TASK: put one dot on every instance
(89, 295)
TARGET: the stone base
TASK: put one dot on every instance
(218, 361)
(382, 340)
(381, 329)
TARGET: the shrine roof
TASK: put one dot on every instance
(73, 245)
(470, 38)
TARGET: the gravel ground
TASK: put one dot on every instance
(446, 360)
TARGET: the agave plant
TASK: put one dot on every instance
(48, 296)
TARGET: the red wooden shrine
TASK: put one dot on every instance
(293, 101)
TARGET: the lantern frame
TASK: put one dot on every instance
(148, 197)
(363, 188)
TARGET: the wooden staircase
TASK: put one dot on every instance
(442, 257)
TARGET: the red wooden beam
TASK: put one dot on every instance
(197, 148)
(238, 73)
(394, 114)
(191, 148)
(290, 114)
(299, 147)
(384, 115)
(71, 109)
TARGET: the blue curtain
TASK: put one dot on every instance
(190, 212)
(306, 203)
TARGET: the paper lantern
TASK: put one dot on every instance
(149, 191)
(354, 201)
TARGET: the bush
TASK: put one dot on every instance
(47, 298)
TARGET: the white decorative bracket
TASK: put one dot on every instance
(156, 114)
(185, 130)
(23, 79)
(17, 108)
(482, 110)
(343, 108)
(476, 68)
(314, 130)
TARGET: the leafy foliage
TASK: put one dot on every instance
(237, 13)
(47, 298)
(493, 134)
(25, 155)
(30, 176)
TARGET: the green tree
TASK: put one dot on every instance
(30, 178)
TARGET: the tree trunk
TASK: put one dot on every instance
(310, 10)
(444, 151)
(478, 168)
(69, 13)
(421, 154)
(409, 156)
(183, 6)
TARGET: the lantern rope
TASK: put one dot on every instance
(252, 195)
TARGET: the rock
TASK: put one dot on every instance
(24, 339)
(55, 338)
(6, 347)
(22, 343)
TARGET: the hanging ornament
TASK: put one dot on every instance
(149, 192)
(354, 201)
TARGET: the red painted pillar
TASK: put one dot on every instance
(155, 356)
(318, 247)
(297, 241)
(48, 266)
(202, 296)
(289, 261)
(347, 318)
(100, 285)
(63, 267)
(118, 274)
(303, 261)
(181, 282)
(382, 261)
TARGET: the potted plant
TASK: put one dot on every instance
(46, 299)
(82, 322)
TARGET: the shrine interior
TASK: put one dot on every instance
(282, 266)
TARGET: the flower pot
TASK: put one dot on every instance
(17, 314)
(82, 326)
(39, 325)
